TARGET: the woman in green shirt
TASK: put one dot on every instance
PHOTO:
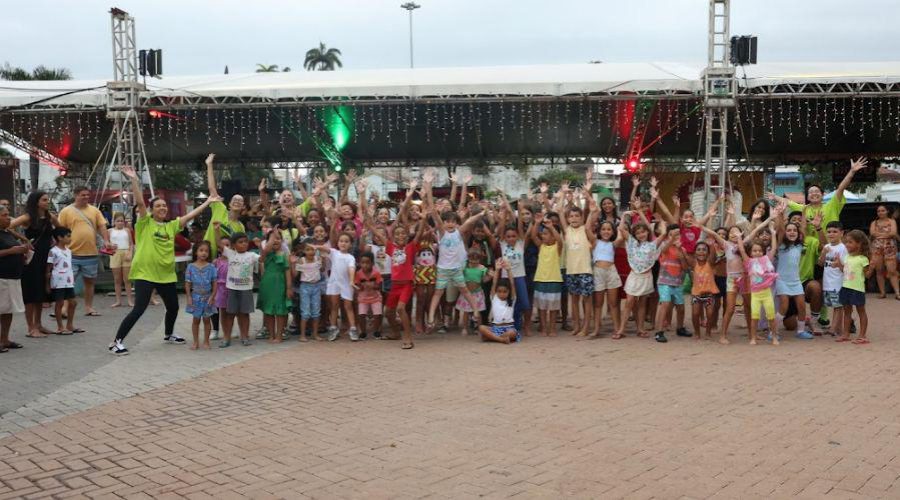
(228, 217)
(153, 264)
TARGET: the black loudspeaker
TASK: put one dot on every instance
(142, 62)
(743, 50)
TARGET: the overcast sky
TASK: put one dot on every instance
(202, 36)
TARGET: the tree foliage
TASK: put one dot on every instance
(555, 178)
(40, 72)
(322, 58)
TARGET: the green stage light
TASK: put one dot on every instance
(339, 123)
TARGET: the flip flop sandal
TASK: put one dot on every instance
(860, 341)
(92, 314)
(618, 336)
(64, 332)
(78, 330)
(407, 346)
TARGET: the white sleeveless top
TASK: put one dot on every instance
(604, 252)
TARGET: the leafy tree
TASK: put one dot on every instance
(271, 68)
(822, 175)
(555, 178)
(322, 58)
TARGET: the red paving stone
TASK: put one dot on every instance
(456, 418)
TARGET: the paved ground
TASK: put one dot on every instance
(456, 418)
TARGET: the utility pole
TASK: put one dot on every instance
(410, 7)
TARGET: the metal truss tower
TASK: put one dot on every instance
(719, 96)
(123, 100)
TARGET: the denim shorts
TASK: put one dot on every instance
(851, 297)
(86, 266)
(310, 301)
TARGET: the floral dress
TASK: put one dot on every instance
(202, 281)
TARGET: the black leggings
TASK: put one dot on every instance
(142, 292)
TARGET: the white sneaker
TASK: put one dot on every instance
(214, 335)
(354, 335)
(333, 333)
(118, 348)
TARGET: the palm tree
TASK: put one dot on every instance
(266, 68)
(40, 72)
(322, 58)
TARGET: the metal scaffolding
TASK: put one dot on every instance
(123, 101)
(719, 96)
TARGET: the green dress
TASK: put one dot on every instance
(272, 298)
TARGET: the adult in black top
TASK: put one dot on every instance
(38, 222)
(13, 248)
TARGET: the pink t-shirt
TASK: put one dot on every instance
(760, 272)
(734, 264)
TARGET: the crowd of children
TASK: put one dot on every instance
(372, 269)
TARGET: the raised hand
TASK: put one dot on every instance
(859, 164)
(467, 179)
(817, 220)
(262, 184)
(413, 184)
(128, 171)
(654, 193)
(454, 179)
(428, 176)
(676, 201)
(653, 181)
(361, 185)
(210, 158)
(331, 178)
(213, 199)
(635, 180)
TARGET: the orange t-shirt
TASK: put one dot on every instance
(704, 280)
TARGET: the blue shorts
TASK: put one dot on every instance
(86, 266)
(670, 293)
(385, 283)
(501, 330)
(851, 297)
(449, 278)
(580, 284)
(309, 301)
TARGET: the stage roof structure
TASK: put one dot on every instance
(437, 114)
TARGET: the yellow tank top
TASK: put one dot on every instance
(548, 265)
(578, 251)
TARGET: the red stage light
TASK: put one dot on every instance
(633, 165)
(157, 114)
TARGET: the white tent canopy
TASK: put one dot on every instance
(547, 80)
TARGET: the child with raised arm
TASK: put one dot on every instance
(402, 252)
(761, 276)
(308, 270)
(503, 302)
(579, 273)
(275, 290)
(368, 295)
(200, 290)
(642, 253)
(856, 269)
(547, 276)
(833, 277)
(242, 263)
(512, 248)
(340, 285)
(475, 274)
(703, 285)
(451, 259)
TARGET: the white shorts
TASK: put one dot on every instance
(342, 289)
(606, 278)
(639, 284)
(11, 297)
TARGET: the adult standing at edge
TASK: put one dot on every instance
(153, 265)
(810, 272)
(229, 218)
(38, 222)
(13, 247)
(86, 223)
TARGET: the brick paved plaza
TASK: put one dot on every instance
(455, 418)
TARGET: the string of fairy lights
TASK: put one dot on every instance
(394, 123)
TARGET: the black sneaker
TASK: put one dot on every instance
(682, 332)
(174, 339)
(661, 337)
(376, 335)
(118, 348)
(362, 335)
(852, 325)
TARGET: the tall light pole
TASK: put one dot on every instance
(410, 7)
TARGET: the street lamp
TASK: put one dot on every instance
(410, 7)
